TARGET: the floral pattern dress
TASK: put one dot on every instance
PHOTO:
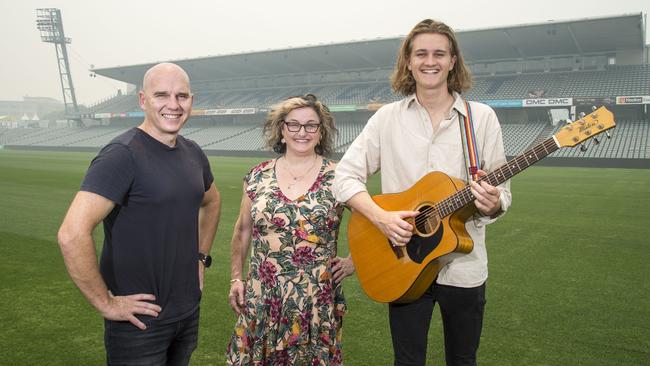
(293, 309)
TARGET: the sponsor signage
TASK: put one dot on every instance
(639, 99)
(503, 103)
(135, 114)
(594, 101)
(343, 108)
(228, 111)
(548, 102)
(103, 115)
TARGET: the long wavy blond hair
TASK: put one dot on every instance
(275, 122)
(402, 81)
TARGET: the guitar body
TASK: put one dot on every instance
(403, 274)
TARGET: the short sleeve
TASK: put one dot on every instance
(253, 178)
(111, 173)
(208, 178)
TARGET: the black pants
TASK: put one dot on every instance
(462, 319)
(169, 344)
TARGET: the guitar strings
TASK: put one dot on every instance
(440, 209)
(448, 205)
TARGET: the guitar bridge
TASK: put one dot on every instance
(397, 250)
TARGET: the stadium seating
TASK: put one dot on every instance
(630, 139)
(593, 83)
(518, 137)
(604, 83)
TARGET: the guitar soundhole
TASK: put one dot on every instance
(426, 223)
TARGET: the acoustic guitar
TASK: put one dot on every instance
(401, 274)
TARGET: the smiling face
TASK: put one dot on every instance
(430, 61)
(166, 100)
(301, 142)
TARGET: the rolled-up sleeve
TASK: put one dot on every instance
(360, 161)
(493, 156)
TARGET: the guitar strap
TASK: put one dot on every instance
(468, 138)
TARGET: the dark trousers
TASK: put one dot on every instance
(159, 344)
(462, 319)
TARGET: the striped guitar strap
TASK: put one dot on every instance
(470, 149)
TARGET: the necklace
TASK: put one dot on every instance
(297, 179)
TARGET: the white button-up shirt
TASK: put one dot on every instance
(399, 140)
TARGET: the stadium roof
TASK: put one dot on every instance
(551, 38)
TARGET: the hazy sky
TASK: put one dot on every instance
(118, 32)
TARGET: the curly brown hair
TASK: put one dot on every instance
(275, 122)
(402, 81)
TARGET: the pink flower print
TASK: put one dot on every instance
(262, 165)
(266, 273)
(282, 357)
(331, 222)
(317, 184)
(277, 194)
(301, 233)
(278, 221)
(275, 307)
(304, 322)
(325, 338)
(338, 358)
(325, 294)
(303, 256)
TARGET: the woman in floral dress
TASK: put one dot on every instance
(290, 306)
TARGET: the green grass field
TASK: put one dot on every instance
(569, 274)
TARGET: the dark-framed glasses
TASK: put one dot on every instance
(295, 127)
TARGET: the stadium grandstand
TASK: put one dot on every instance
(535, 76)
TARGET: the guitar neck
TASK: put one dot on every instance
(508, 170)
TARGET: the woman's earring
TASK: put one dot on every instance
(283, 141)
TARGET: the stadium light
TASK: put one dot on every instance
(50, 25)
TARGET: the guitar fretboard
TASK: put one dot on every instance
(508, 170)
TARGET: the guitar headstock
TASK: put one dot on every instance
(585, 128)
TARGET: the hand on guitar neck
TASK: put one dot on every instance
(487, 200)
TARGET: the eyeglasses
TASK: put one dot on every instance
(295, 127)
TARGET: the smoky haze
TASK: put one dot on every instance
(118, 32)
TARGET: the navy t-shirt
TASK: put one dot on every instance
(151, 236)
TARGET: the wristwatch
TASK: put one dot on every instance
(206, 259)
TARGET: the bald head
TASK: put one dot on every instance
(165, 68)
(166, 100)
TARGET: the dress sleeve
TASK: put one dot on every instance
(253, 178)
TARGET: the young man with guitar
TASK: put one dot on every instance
(431, 129)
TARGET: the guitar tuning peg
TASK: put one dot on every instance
(568, 121)
(582, 114)
(596, 141)
(608, 135)
(593, 107)
(583, 148)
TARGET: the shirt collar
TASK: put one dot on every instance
(458, 105)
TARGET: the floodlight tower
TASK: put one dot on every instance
(50, 23)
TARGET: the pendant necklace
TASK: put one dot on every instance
(297, 179)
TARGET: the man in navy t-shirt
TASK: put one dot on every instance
(154, 192)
